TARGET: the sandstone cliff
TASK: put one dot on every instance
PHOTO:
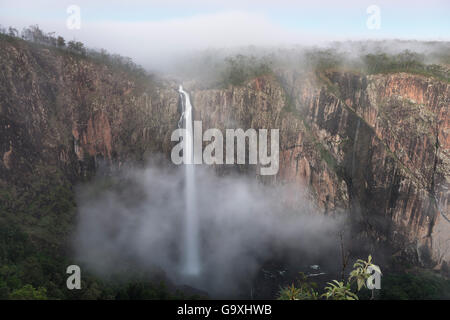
(63, 110)
(375, 146)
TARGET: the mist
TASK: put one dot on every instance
(135, 221)
(156, 34)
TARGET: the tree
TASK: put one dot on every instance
(28, 292)
(36, 34)
(76, 46)
(60, 42)
(12, 32)
(50, 39)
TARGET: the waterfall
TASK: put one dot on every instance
(191, 249)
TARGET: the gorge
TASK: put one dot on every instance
(371, 146)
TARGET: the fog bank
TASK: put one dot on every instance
(137, 221)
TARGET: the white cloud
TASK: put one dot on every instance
(161, 40)
(157, 42)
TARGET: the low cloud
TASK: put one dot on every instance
(140, 222)
(156, 44)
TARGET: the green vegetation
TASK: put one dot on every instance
(336, 290)
(214, 69)
(240, 68)
(380, 62)
(36, 223)
(405, 61)
(321, 60)
(76, 46)
(415, 286)
(304, 290)
(412, 285)
(29, 293)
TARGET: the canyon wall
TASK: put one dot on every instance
(375, 146)
(72, 113)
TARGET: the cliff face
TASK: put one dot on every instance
(65, 111)
(375, 146)
(409, 117)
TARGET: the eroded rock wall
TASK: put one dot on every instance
(376, 146)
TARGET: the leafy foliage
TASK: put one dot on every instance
(335, 290)
(359, 273)
(304, 291)
(27, 292)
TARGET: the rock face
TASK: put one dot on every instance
(375, 146)
(63, 110)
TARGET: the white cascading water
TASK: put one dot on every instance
(192, 261)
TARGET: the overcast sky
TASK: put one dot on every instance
(146, 30)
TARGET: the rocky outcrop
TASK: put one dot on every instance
(262, 103)
(410, 116)
(376, 146)
(67, 111)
